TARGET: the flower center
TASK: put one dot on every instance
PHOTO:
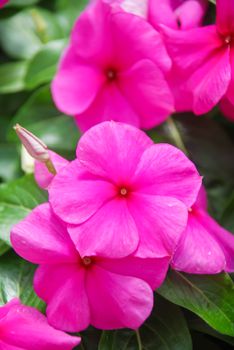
(123, 191)
(111, 74)
(228, 39)
(87, 261)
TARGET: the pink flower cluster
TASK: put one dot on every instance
(117, 216)
(125, 208)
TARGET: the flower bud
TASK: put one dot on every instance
(35, 147)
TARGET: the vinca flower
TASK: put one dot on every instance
(3, 3)
(25, 328)
(124, 193)
(106, 293)
(113, 69)
(206, 54)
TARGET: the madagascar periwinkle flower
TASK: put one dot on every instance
(205, 247)
(206, 54)
(124, 194)
(25, 328)
(106, 293)
(113, 69)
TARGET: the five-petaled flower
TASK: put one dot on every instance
(106, 293)
(113, 69)
(125, 194)
(206, 55)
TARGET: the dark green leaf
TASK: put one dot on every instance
(16, 280)
(210, 297)
(42, 66)
(166, 329)
(17, 199)
(12, 77)
(200, 326)
(3, 247)
(227, 218)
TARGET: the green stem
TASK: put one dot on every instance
(139, 340)
(176, 135)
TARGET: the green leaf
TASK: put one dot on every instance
(67, 12)
(210, 297)
(12, 77)
(42, 66)
(3, 247)
(227, 219)
(9, 162)
(23, 34)
(16, 281)
(21, 3)
(17, 199)
(200, 326)
(40, 116)
(166, 329)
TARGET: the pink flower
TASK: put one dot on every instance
(124, 193)
(205, 247)
(113, 69)
(177, 14)
(42, 175)
(3, 3)
(106, 293)
(206, 55)
(25, 328)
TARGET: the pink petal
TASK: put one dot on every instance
(81, 196)
(70, 94)
(91, 35)
(201, 201)
(160, 221)
(119, 301)
(229, 94)
(164, 170)
(135, 39)
(153, 271)
(227, 108)
(161, 12)
(7, 307)
(27, 328)
(198, 251)
(190, 13)
(4, 346)
(110, 232)
(43, 238)
(42, 175)
(190, 48)
(210, 82)
(224, 238)
(224, 16)
(65, 294)
(112, 150)
(147, 90)
(110, 104)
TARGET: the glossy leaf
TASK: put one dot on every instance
(209, 296)
(23, 34)
(17, 199)
(166, 329)
(12, 77)
(40, 116)
(42, 66)
(16, 281)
